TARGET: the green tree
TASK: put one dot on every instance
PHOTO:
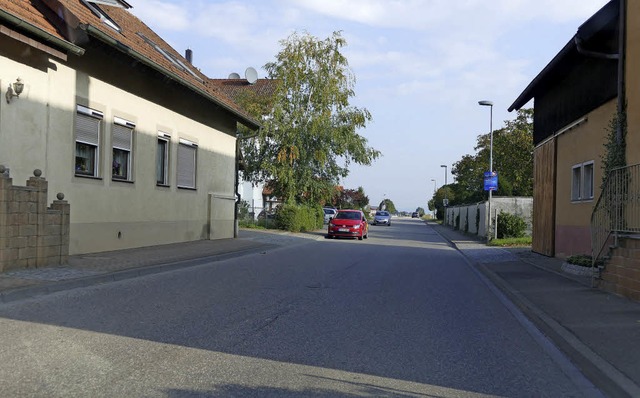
(388, 205)
(309, 137)
(420, 211)
(437, 203)
(512, 159)
(353, 199)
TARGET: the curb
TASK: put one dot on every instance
(600, 372)
(27, 292)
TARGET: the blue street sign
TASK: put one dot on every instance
(490, 181)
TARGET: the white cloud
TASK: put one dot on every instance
(162, 14)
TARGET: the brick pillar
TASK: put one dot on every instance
(39, 198)
(5, 190)
(64, 208)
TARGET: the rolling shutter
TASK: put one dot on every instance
(87, 129)
(122, 137)
(186, 173)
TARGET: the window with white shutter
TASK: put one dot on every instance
(122, 143)
(186, 168)
(88, 122)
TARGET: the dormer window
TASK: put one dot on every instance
(93, 5)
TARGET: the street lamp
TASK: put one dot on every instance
(490, 105)
(446, 201)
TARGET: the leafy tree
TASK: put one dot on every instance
(512, 159)
(420, 211)
(353, 199)
(437, 203)
(388, 205)
(309, 137)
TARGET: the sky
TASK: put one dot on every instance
(421, 66)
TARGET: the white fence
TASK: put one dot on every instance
(473, 218)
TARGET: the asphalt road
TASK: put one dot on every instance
(401, 314)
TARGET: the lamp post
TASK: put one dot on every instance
(446, 201)
(434, 197)
(490, 105)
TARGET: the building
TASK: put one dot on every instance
(259, 91)
(140, 142)
(580, 206)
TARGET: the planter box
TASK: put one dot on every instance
(578, 269)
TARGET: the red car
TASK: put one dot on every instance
(350, 224)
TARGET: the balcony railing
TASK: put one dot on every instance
(617, 211)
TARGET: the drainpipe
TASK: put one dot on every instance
(622, 40)
(620, 56)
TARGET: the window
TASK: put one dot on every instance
(582, 182)
(186, 173)
(88, 123)
(104, 17)
(162, 159)
(171, 58)
(121, 139)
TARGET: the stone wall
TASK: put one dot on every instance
(474, 218)
(621, 274)
(32, 235)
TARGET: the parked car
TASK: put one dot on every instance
(415, 215)
(329, 213)
(350, 224)
(382, 217)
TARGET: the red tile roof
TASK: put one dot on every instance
(234, 87)
(24, 10)
(75, 14)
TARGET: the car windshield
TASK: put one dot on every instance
(329, 211)
(382, 213)
(348, 215)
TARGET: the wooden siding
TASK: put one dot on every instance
(544, 199)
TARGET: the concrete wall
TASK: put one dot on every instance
(37, 130)
(31, 235)
(474, 219)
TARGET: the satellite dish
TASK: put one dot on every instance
(234, 75)
(251, 75)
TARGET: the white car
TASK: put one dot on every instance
(329, 213)
(382, 217)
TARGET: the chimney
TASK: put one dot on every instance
(189, 55)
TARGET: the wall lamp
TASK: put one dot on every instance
(14, 90)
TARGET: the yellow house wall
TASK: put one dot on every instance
(37, 131)
(581, 144)
(633, 82)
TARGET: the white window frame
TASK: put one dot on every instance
(162, 160)
(582, 184)
(104, 17)
(119, 141)
(89, 138)
(187, 164)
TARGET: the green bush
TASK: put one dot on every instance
(295, 218)
(511, 226)
(584, 260)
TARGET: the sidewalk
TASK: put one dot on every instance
(598, 331)
(90, 269)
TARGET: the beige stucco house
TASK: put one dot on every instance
(579, 207)
(140, 142)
